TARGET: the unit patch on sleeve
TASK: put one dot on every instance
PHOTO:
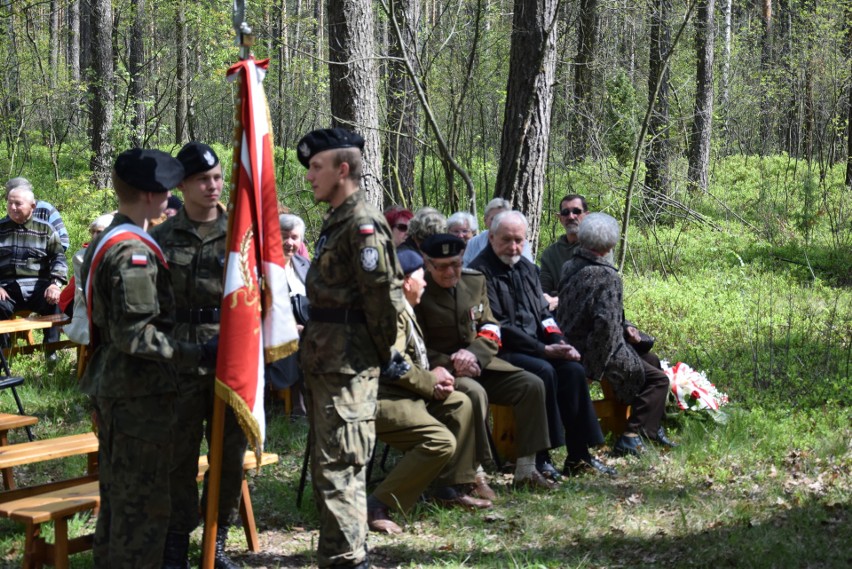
(369, 259)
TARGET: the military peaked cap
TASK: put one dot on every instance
(442, 245)
(196, 157)
(327, 139)
(410, 261)
(148, 170)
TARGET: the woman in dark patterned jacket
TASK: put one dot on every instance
(591, 315)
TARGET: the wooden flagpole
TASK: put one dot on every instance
(217, 429)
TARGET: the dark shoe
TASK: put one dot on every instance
(586, 465)
(452, 497)
(663, 439)
(534, 482)
(222, 561)
(378, 520)
(176, 551)
(481, 489)
(628, 445)
(549, 471)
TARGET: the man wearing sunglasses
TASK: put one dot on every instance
(572, 210)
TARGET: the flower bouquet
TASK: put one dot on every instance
(693, 391)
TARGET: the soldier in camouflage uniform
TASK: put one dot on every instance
(193, 242)
(131, 376)
(354, 285)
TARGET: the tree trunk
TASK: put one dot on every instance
(53, 38)
(699, 146)
(587, 38)
(765, 61)
(402, 115)
(101, 90)
(135, 64)
(74, 41)
(353, 77)
(724, 80)
(182, 79)
(529, 98)
(85, 37)
(659, 148)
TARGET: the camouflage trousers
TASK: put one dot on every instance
(135, 437)
(341, 412)
(194, 407)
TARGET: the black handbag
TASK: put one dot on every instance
(301, 308)
(646, 343)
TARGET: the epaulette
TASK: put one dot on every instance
(468, 271)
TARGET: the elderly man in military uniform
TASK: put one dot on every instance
(193, 241)
(462, 335)
(33, 268)
(422, 415)
(354, 286)
(131, 377)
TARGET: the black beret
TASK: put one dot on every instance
(174, 203)
(409, 260)
(442, 245)
(196, 157)
(326, 139)
(148, 170)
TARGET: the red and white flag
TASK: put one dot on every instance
(257, 324)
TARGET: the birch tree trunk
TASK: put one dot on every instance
(182, 79)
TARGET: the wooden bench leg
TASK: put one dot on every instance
(247, 515)
(60, 544)
(33, 547)
(8, 477)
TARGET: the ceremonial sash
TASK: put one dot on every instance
(116, 234)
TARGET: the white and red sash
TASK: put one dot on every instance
(113, 236)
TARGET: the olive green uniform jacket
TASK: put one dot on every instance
(461, 317)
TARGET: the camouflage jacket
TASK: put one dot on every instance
(132, 317)
(197, 269)
(354, 268)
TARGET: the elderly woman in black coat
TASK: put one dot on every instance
(591, 315)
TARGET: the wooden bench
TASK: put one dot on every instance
(611, 413)
(24, 325)
(7, 423)
(58, 502)
(50, 449)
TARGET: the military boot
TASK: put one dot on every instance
(175, 554)
(222, 559)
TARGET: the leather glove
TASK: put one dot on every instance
(209, 351)
(395, 368)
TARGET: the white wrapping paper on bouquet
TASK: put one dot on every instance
(692, 390)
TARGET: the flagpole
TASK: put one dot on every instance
(245, 40)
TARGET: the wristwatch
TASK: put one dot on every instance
(56, 282)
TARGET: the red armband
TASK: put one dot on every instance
(490, 332)
(550, 326)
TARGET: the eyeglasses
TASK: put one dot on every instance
(401, 227)
(569, 210)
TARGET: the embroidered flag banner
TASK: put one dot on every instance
(257, 324)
